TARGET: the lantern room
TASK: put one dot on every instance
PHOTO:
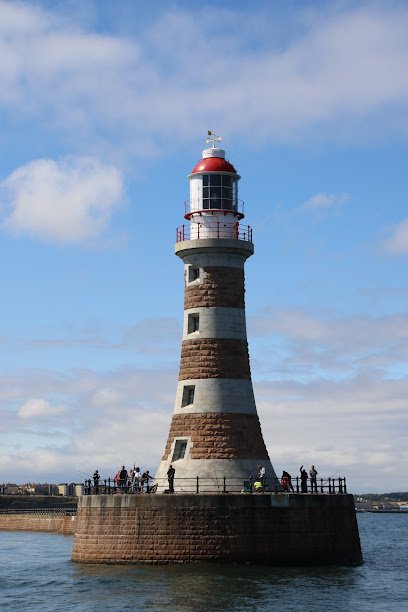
(214, 183)
(214, 209)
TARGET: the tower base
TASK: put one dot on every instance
(274, 529)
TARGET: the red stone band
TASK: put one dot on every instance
(219, 435)
(215, 358)
(222, 287)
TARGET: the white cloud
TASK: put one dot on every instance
(115, 418)
(106, 396)
(356, 427)
(67, 201)
(322, 201)
(342, 76)
(354, 424)
(397, 244)
(332, 341)
(38, 408)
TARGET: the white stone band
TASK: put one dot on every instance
(204, 260)
(211, 472)
(215, 395)
(215, 322)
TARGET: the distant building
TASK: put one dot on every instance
(71, 490)
(29, 488)
(385, 505)
(62, 488)
(32, 488)
(9, 488)
(79, 490)
(363, 504)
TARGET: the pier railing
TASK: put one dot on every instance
(322, 486)
(58, 511)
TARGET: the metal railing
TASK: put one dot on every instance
(58, 511)
(215, 229)
(322, 486)
(110, 486)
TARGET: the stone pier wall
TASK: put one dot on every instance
(38, 522)
(278, 529)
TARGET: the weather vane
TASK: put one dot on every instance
(213, 137)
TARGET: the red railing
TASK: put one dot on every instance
(216, 229)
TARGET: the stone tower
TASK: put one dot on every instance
(215, 431)
(215, 441)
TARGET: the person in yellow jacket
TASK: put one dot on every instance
(258, 488)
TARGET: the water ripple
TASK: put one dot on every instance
(37, 574)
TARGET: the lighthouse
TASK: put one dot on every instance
(215, 439)
(215, 443)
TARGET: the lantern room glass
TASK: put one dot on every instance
(220, 192)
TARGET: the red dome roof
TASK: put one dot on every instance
(213, 164)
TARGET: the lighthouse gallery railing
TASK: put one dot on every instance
(214, 229)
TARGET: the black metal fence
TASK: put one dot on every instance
(58, 511)
(328, 486)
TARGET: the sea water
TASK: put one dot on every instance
(36, 573)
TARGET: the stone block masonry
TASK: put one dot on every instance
(38, 522)
(215, 431)
(219, 436)
(223, 287)
(276, 529)
(215, 358)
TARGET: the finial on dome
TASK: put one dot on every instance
(213, 137)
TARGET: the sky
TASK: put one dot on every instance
(104, 111)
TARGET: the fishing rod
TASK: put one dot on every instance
(84, 473)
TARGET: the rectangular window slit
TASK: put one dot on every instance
(179, 450)
(193, 323)
(188, 396)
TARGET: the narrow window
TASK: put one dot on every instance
(193, 273)
(235, 194)
(193, 323)
(227, 192)
(206, 191)
(188, 396)
(179, 449)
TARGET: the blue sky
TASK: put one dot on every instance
(104, 110)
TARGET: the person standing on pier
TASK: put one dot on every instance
(145, 480)
(303, 480)
(285, 482)
(170, 476)
(137, 475)
(96, 482)
(287, 478)
(313, 479)
(261, 476)
(123, 476)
